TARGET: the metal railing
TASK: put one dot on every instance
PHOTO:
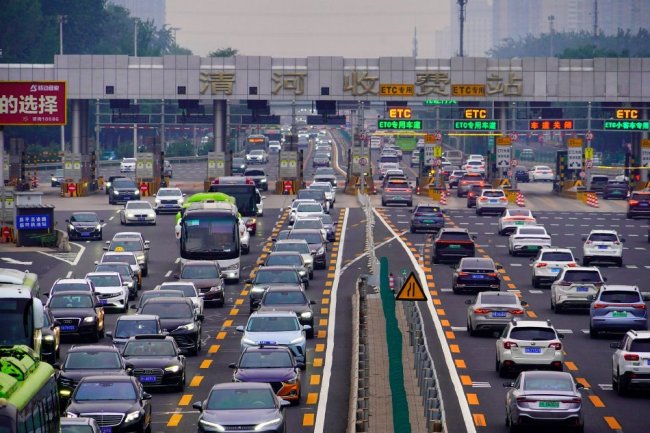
(358, 411)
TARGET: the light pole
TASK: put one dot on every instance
(551, 18)
(461, 17)
(135, 37)
(62, 19)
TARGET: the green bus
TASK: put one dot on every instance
(28, 394)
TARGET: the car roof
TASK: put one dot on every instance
(276, 268)
(605, 232)
(118, 253)
(556, 250)
(267, 348)
(109, 378)
(84, 212)
(71, 280)
(454, 230)
(130, 317)
(93, 347)
(476, 261)
(176, 283)
(199, 263)
(242, 385)
(169, 300)
(542, 374)
(531, 324)
(286, 288)
(273, 313)
(102, 273)
(621, 287)
(71, 293)
(283, 253)
(291, 241)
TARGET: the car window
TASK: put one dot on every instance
(516, 212)
(149, 348)
(531, 231)
(389, 159)
(498, 299)
(126, 258)
(69, 287)
(255, 173)
(271, 359)
(640, 345)
(397, 183)
(129, 328)
(92, 391)
(92, 360)
(548, 384)
(123, 270)
(533, 334)
(454, 236)
(199, 272)
(273, 324)
(308, 207)
(71, 301)
(640, 196)
(557, 256)
(124, 245)
(169, 193)
(284, 297)
(603, 237)
(76, 429)
(311, 238)
(123, 183)
(493, 193)
(620, 297)
(290, 260)
(240, 399)
(105, 280)
(138, 205)
(582, 277)
(427, 210)
(307, 224)
(293, 246)
(84, 218)
(276, 276)
(187, 290)
(168, 310)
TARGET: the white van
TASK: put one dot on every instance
(455, 157)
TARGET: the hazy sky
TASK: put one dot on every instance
(298, 28)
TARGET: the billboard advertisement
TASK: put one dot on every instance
(41, 103)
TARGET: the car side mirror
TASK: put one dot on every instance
(105, 248)
(198, 406)
(154, 195)
(56, 323)
(232, 365)
(306, 327)
(101, 221)
(645, 296)
(239, 329)
(248, 281)
(56, 366)
(579, 386)
(584, 238)
(499, 267)
(560, 336)
(146, 396)
(67, 221)
(312, 302)
(133, 307)
(622, 240)
(96, 262)
(98, 305)
(109, 334)
(184, 195)
(605, 279)
(301, 365)
(177, 277)
(590, 298)
(284, 403)
(473, 237)
(523, 303)
(509, 385)
(468, 302)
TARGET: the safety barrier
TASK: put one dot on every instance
(360, 372)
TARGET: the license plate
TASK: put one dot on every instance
(532, 350)
(141, 218)
(619, 314)
(478, 277)
(267, 342)
(455, 247)
(498, 314)
(643, 204)
(147, 379)
(602, 247)
(532, 247)
(428, 221)
(582, 289)
(103, 301)
(519, 223)
(85, 234)
(549, 404)
(68, 328)
(555, 270)
(106, 429)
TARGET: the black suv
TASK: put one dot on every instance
(79, 313)
(110, 181)
(156, 361)
(452, 244)
(476, 274)
(84, 225)
(639, 204)
(122, 190)
(259, 177)
(178, 319)
(616, 189)
(427, 217)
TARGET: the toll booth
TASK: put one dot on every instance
(33, 220)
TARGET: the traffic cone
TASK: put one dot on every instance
(521, 201)
(443, 198)
(592, 199)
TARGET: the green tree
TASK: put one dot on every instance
(224, 52)
(180, 148)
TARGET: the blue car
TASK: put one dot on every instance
(427, 217)
(617, 308)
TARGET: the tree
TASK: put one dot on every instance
(224, 52)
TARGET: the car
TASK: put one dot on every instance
(294, 205)
(528, 240)
(123, 190)
(51, 341)
(616, 189)
(207, 278)
(617, 308)
(392, 173)
(149, 294)
(452, 244)
(476, 274)
(85, 225)
(598, 182)
(454, 177)
(114, 401)
(257, 156)
(131, 325)
(128, 165)
(328, 189)
(549, 398)
(57, 178)
(491, 200)
(427, 217)
(389, 177)
(318, 196)
(528, 344)
(330, 227)
(320, 159)
(447, 169)
(136, 245)
(387, 162)
(274, 365)
(548, 264)
(259, 177)
(189, 291)
(111, 291)
(124, 257)
(317, 245)
(168, 200)
(541, 173)
(156, 361)
(241, 406)
(274, 146)
(455, 157)
(631, 362)
(129, 278)
(290, 298)
(87, 360)
(307, 210)
(475, 157)
(575, 287)
(325, 177)
(602, 246)
(179, 320)
(473, 194)
(138, 212)
(513, 218)
(300, 246)
(110, 180)
(475, 166)
(269, 276)
(72, 285)
(280, 328)
(238, 166)
(79, 313)
(397, 191)
(79, 425)
(521, 174)
(492, 311)
(415, 158)
(467, 181)
(638, 204)
(168, 170)
(289, 258)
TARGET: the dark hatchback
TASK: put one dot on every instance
(123, 190)
(476, 274)
(79, 313)
(639, 204)
(238, 166)
(427, 217)
(118, 403)
(473, 193)
(156, 361)
(84, 225)
(452, 244)
(293, 299)
(178, 319)
(110, 181)
(616, 189)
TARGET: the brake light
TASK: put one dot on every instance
(541, 265)
(516, 312)
(633, 202)
(588, 242)
(556, 346)
(509, 345)
(483, 199)
(572, 265)
(463, 182)
(471, 194)
(631, 357)
(503, 199)
(525, 400)
(573, 400)
(482, 310)
(598, 305)
(565, 283)
(639, 306)
(463, 274)
(492, 274)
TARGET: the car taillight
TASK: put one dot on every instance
(565, 283)
(503, 199)
(516, 312)
(482, 310)
(483, 199)
(492, 274)
(572, 265)
(471, 194)
(463, 182)
(633, 202)
(631, 357)
(541, 265)
(588, 242)
(598, 305)
(556, 346)
(525, 400)
(639, 306)
(509, 345)
(573, 400)
(463, 274)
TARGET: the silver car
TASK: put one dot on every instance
(138, 212)
(110, 289)
(548, 397)
(492, 311)
(300, 246)
(124, 257)
(189, 291)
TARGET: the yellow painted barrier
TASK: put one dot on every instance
(512, 195)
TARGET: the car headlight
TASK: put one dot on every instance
(309, 260)
(258, 290)
(157, 200)
(116, 192)
(216, 289)
(129, 215)
(306, 315)
(263, 425)
(212, 425)
(66, 393)
(89, 319)
(136, 192)
(302, 272)
(263, 180)
(188, 327)
(298, 340)
(320, 251)
(129, 284)
(108, 184)
(173, 369)
(132, 416)
(48, 338)
(54, 179)
(70, 227)
(248, 341)
(71, 415)
(140, 258)
(292, 381)
(98, 227)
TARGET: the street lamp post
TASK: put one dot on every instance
(551, 19)
(61, 19)
(461, 17)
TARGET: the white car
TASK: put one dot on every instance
(529, 344)
(127, 165)
(474, 166)
(513, 218)
(415, 158)
(575, 287)
(388, 162)
(528, 239)
(244, 237)
(256, 156)
(548, 264)
(275, 146)
(491, 200)
(168, 200)
(475, 157)
(189, 290)
(127, 257)
(306, 210)
(310, 223)
(541, 173)
(327, 188)
(602, 246)
(294, 206)
(138, 212)
(631, 361)
(111, 291)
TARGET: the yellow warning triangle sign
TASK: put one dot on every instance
(411, 290)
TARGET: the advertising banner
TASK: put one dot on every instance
(33, 103)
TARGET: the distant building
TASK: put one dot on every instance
(153, 10)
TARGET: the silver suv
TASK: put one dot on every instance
(575, 288)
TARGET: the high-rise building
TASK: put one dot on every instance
(153, 10)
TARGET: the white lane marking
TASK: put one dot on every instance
(331, 328)
(647, 267)
(631, 267)
(481, 385)
(564, 331)
(403, 222)
(118, 211)
(167, 274)
(501, 246)
(446, 290)
(639, 248)
(632, 235)
(489, 233)
(536, 292)
(584, 331)
(178, 259)
(379, 245)
(87, 242)
(104, 225)
(449, 361)
(69, 274)
(464, 224)
(605, 386)
(70, 258)
(111, 218)
(516, 264)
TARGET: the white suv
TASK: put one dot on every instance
(631, 361)
(491, 200)
(529, 344)
(575, 287)
(602, 245)
(549, 263)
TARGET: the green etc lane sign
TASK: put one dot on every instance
(476, 125)
(411, 125)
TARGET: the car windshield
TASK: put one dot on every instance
(71, 301)
(200, 272)
(498, 299)
(270, 359)
(519, 213)
(321, 155)
(640, 345)
(70, 287)
(493, 194)
(138, 205)
(454, 236)
(294, 297)
(129, 328)
(124, 183)
(427, 210)
(310, 194)
(159, 294)
(105, 390)
(257, 152)
(187, 290)
(326, 188)
(238, 162)
(326, 219)
(531, 231)
(324, 171)
(129, 160)
(292, 246)
(149, 348)
(169, 193)
(276, 276)
(273, 324)
(84, 218)
(124, 245)
(557, 256)
(548, 384)
(583, 277)
(255, 173)
(168, 310)
(307, 224)
(126, 258)
(532, 334)
(105, 280)
(620, 297)
(101, 360)
(123, 270)
(311, 238)
(241, 399)
(389, 159)
(284, 259)
(542, 168)
(309, 207)
(640, 196)
(603, 237)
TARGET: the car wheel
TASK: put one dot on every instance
(246, 250)
(95, 337)
(535, 282)
(469, 206)
(479, 211)
(454, 289)
(503, 371)
(383, 203)
(552, 304)
(470, 330)
(622, 386)
(310, 333)
(497, 365)
(436, 260)
(253, 232)
(311, 275)
(145, 271)
(409, 204)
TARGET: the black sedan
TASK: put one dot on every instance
(476, 274)
(79, 313)
(123, 190)
(207, 279)
(156, 361)
(522, 175)
(317, 245)
(179, 320)
(50, 346)
(453, 244)
(118, 403)
(84, 225)
(616, 189)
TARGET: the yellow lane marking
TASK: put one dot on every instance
(472, 399)
(314, 379)
(460, 363)
(596, 401)
(454, 348)
(437, 302)
(583, 381)
(174, 420)
(324, 310)
(196, 381)
(327, 292)
(332, 268)
(441, 311)
(214, 348)
(244, 293)
(239, 301)
(325, 301)
(227, 323)
(318, 362)
(206, 363)
(612, 423)
(429, 277)
(221, 335)
(312, 398)
(502, 271)
(450, 335)
(512, 286)
(321, 334)
(466, 380)
(234, 312)
(444, 322)
(320, 347)
(426, 269)
(531, 314)
(185, 400)
(329, 283)
(331, 275)
(571, 366)
(322, 322)
(506, 278)
(479, 420)
(308, 419)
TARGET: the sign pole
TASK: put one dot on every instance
(360, 122)
(588, 136)
(2, 172)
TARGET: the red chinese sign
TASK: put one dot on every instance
(33, 103)
(550, 125)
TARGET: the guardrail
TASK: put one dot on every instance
(358, 409)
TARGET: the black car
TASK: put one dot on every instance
(206, 276)
(57, 177)
(130, 325)
(616, 189)
(290, 298)
(178, 319)
(110, 181)
(79, 425)
(317, 245)
(476, 274)
(427, 217)
(51, 332)
(268, 276)
(156, 361)
(259, 177)
(118, 403)
(238, 166)
(123, 190)
(289, 258)
(521, 174)
(452, 244)
(79, 313)
(472, 194)
(638, 204)
(84, 225)
(87, 360)
(312, 194)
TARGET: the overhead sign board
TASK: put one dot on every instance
(430, 138)
(504, 154)
(475, 113)
(468, 90)
(411, 290)
(399, 124)
(288, 164)
(504, 141)
(627, 113)
(645, 152)
(574, 154)
(550, 124)
(476, 125)
(440, 102)
(216, 164)
(625, 125)
(33, 103)
(397, 89)
(429, 153)
(399, 113)
(144, 165)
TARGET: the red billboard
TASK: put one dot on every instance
(33, 103)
